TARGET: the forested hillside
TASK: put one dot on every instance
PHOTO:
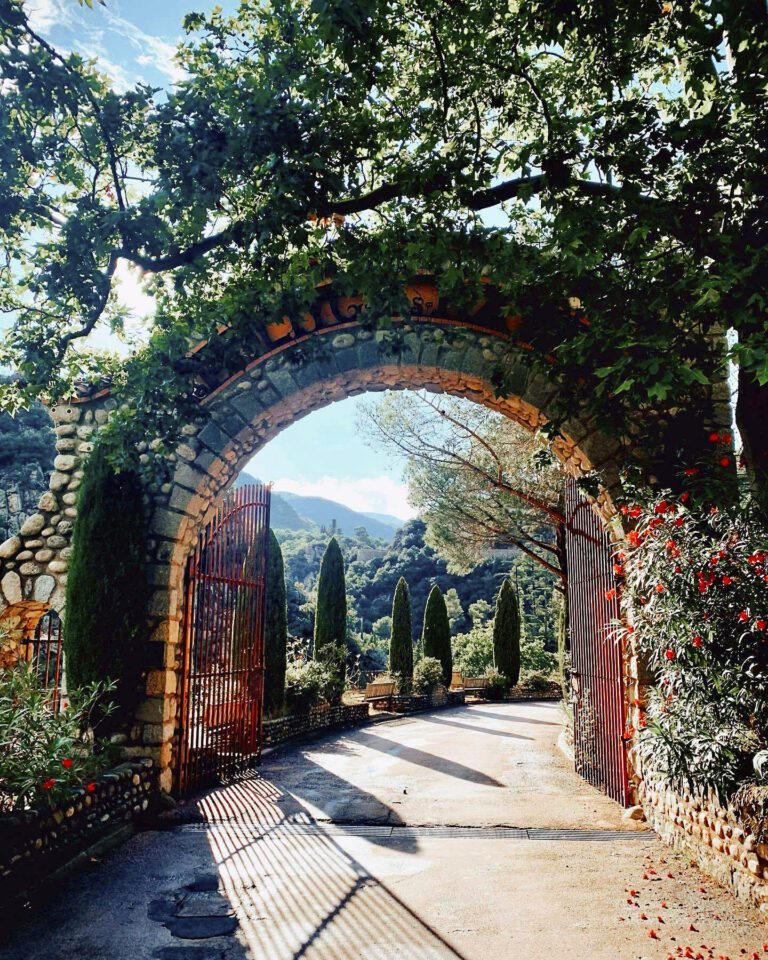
(26, 460)
(373, 569)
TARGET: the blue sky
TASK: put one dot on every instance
(321, 455)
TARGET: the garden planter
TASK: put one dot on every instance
(279, 329)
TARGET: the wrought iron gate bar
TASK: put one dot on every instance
(223, 663)
(596, 651)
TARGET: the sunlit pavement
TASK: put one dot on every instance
(342, 849)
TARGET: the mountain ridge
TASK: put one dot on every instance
(292, 511)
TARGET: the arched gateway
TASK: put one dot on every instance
(243, 409)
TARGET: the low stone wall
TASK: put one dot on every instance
(300, 724)
(714, 836)
(415, 702)
(36, 844)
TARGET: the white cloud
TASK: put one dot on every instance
(45, 14)
(366, 495)
(155, 51)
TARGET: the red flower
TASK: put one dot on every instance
(725, 461)
(633, 537)
(678, 569)
(726, 438)
(67, 764)
(635, 512)
(630, 629)
(610, 594)
(90, 787)
(624, 509)
(618, 569)
(714, 438)
(659, 588)
(679, 522)
(743, 616)
(669, 653)
(48, 784)
(661, 506)
(685, 497)
(691, 471)
(696, 641)
(670, 544)
(727, 581)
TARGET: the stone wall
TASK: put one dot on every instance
(298, 725)
(714, 836)
(414, 703)
(35, 844)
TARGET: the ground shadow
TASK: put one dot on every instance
(508, 717)
(475, 729)
(423, 759)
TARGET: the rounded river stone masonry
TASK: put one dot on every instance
(241, 411)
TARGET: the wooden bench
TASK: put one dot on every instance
(458, 682)
(378, 691)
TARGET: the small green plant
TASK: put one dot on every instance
(498, 685)
(427, 675)
(312, 682)
(44, 754)
(403, 684)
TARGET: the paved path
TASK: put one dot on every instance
(458, 835)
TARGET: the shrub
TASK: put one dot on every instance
(498, 685)
(303, 681)
(506, 633)
(537, 681)
(107, 591)
(333, 657)
(436, 634)
(696, 586)
(44, 754)
(428, 675)
(275, 630)
(401, 642)
(311, 682)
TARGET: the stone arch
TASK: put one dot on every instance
(242, 409)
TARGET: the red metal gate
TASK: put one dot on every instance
(596, 653)
(45, 656)
(222, 686)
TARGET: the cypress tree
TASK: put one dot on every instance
(506, 633)
(436, 635)
(331, 610)
(401, 640)
(275, 629)
(105, 628)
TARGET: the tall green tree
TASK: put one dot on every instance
(436, 635)
(331, 611)
(105, 631)
(401, 640)
(621, 146)
(506, 633)
(275, 629)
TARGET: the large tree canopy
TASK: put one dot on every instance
(479, 480)
(620, 149)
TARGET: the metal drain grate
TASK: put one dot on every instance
(395, 832)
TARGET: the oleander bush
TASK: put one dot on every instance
(44, 754)
(694, 584)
